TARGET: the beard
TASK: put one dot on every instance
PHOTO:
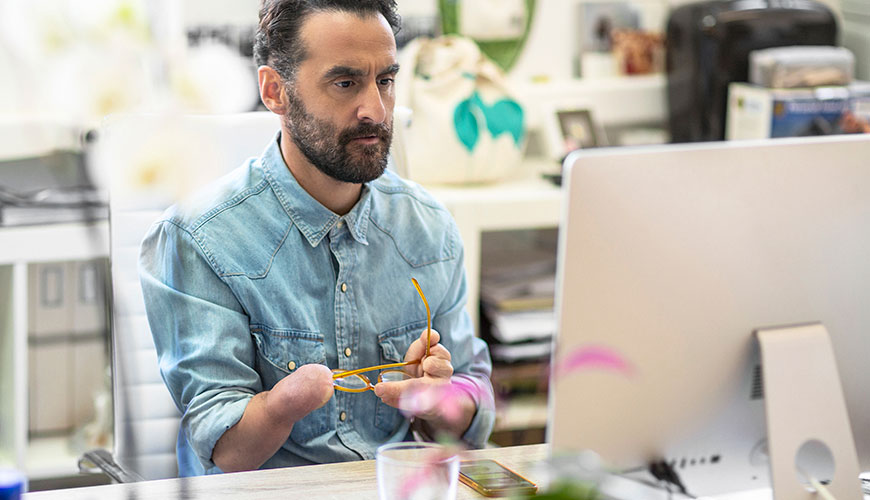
(334, 151)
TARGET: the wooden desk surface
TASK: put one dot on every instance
(340, 481)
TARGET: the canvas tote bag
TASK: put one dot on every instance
(465, 126)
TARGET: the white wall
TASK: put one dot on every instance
(856, 34)
(237, 12)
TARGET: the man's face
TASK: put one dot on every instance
(341, 101)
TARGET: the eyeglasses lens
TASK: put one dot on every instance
(394, 376)
(351, 382)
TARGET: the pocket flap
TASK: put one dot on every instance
(394, 343)
(288, 349)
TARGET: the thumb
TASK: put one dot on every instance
(388, 390)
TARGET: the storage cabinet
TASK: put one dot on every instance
(54, 343)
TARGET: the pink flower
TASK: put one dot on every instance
(592, 358)
(443, 400)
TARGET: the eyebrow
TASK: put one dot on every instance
(391, 69)
(337, 71)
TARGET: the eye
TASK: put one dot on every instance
(344, 84)
(385, 81)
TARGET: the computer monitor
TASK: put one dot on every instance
(670, 259)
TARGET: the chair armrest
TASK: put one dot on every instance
(104, 461)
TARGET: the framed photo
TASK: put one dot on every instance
(577, 129)
(571, 128)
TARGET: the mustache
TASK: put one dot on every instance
(379, 130)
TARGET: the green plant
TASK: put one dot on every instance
(569, 490)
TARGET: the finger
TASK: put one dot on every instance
(392, 390)
(394, 402)
(420, 397)
(433, 339)
(440, 351)
(437, 367)
(397, 394)
(417, 349)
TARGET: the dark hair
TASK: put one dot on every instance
(278, 44)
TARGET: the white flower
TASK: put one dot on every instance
(214, 79)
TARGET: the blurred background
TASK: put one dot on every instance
(582, 73)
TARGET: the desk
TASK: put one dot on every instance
(342, 481)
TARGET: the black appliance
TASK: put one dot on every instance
(708, 46)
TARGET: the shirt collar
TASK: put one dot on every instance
(313, 219)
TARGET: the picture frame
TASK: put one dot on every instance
(572, 127)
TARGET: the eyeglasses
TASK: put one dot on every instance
(355, 381)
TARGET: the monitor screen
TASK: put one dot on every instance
(670, 257)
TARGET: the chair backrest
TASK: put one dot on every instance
(146, 160)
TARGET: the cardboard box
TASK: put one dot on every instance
(759, 113)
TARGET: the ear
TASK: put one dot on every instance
(272, 91)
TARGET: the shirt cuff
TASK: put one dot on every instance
(203, 427)
(484, 418)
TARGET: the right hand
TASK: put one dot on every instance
(298, 394)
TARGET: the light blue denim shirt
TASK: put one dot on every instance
(256, 278)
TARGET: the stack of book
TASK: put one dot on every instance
(517, 308)
(517, 319)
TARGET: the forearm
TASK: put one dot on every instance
(269, 417)
(254, 439)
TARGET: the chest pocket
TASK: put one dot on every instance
(393, 345)
(280, 353)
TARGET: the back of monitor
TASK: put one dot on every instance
(670, 258)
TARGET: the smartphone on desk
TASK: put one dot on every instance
(492, 479)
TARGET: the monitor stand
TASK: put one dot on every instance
(804, 403)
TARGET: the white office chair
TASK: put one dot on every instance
(147, 161)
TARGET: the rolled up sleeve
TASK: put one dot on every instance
(472, 366)
(201, 333)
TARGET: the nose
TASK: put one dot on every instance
(372, 107)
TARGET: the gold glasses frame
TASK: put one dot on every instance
(339, 374)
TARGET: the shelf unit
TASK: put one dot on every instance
(20, 247)
(526, 202)
(613, 101)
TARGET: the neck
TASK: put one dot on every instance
(337, 196)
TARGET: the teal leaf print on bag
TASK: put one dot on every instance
(466, 124)
(505, 116)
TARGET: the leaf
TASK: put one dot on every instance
(505, 116)
(465, 124)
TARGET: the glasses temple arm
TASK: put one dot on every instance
(428, 315)
(372, 368)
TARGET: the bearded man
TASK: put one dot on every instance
(296, 266)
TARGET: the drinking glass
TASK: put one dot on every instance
(416, 471)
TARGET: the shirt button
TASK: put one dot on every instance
(342, 416)
(340, 223)
(347, 351)
(344, 287)
(291, 365)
